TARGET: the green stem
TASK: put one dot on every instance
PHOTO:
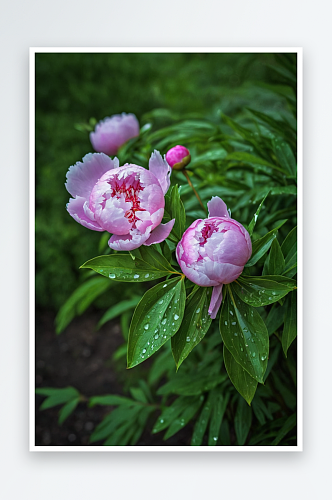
(196, 194)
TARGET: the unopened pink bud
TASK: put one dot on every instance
(178, 157)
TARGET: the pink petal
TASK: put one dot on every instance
(82, 177)
(161, 170)
(215, 302)
(160, 233)
(129, 241)
(217, 207)
(76, 207)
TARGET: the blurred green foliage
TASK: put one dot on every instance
(71, 88)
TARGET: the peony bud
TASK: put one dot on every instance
(114, 131)
(213, 251)
(178, 157)
(127, 201)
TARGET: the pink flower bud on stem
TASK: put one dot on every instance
(178, 158)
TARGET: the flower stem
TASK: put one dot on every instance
(192, 187)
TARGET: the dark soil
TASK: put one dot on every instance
(82, 357)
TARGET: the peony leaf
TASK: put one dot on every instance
(240, 378)
(156, 319)
(194, 326)
(244, 334)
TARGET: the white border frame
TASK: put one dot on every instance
(33, 51)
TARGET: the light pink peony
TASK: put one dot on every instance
(213, 251)
(127, 201)
(178, 157)
(114, 131)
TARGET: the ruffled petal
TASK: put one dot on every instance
(76, 207)
(215, 302)
(129, 241)
(161, 170)
(217, 207)
(82, 177)
(160, 233)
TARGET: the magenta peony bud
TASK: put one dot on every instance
(127, 201)
(213, 251)
(178, 157)
(114, 131)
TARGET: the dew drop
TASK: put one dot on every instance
(242, 349)
(188, 339)
(176, 317)
(226, 323)
(231, 313)
(263, 358)
(160, 301)
(198, 310)
(147, 275)
(161, 420)
(235, 334)
(164, 286)
(164, 321)
(156, 336)
(233, 322)
(146, 326)
(144, 351)
(111, 276)
(253, 354)
(136, 276)
(215, 438)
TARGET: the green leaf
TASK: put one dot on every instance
(285, 156)
(201, 423)
(244, 334)
(255, 217)
(261, 246)
(191, 385)
(250, 159)
(240, 378)
(219, 405)
(67, 409)
(138, 394)
(289, 249)
(260, 291)
(110, 400)
(149, 265)
(118, 309)
(212, 155)
(285, 429)
(80, 300)
(275, 318)
(114, 420)
(194, 326)
(276, 259)
(290, 329)
(170, 413)
(175, 209)
(57, 396)
(156, 319)
(184, 417)
(242, 421)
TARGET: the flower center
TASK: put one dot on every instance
(208, 229)
(128, 188)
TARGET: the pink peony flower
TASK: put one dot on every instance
(178, 157)
(127, 201)
(114, 131)
(213, 251)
